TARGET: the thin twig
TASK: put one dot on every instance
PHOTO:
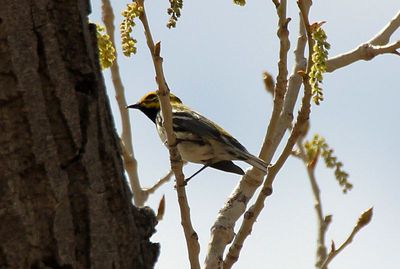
(160, 182)
(376, 46)
(176, 161)
(322, 221)
(281, 81)
(140, 194)
(304, 9)
(130, 162)
(294, 83)
(383, 37)
(295, 80)
(364, 52)
(363, 220)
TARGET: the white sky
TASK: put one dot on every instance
(213, 61)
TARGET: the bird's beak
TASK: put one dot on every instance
(134, 106)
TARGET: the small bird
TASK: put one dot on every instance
(199, 140)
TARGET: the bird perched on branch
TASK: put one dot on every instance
(199, 140)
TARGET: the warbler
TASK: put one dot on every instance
(199, 140)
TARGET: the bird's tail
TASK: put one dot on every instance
(257, 162)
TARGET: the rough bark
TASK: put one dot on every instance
(64, 200)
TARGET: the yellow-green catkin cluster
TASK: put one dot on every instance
(105, 47)
(175, 11)
(239, 2)
(132, 11)
(319, 57)
(318, 146)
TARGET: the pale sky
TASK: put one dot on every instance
(213, 61)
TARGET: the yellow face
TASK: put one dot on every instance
(150, 101)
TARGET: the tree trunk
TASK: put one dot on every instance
(64, 200)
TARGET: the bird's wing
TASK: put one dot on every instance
(199, 125)
(195, 123)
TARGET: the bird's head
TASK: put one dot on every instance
(150, 105)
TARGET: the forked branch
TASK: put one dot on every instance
(322, 220)
(363, 220)
(222, 231)
(376, 46)
(130, 162)
(253, 212)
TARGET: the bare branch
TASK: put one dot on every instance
(363, 220)
(130, 162)
(322, 259)
(254, 211)
(140, 195)
(160, 182)
(295, 80)
(364, 52)
(176, 161)
(222, 230)
(376, 46)
(383, 37)
(322, 221)
(281, 81)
